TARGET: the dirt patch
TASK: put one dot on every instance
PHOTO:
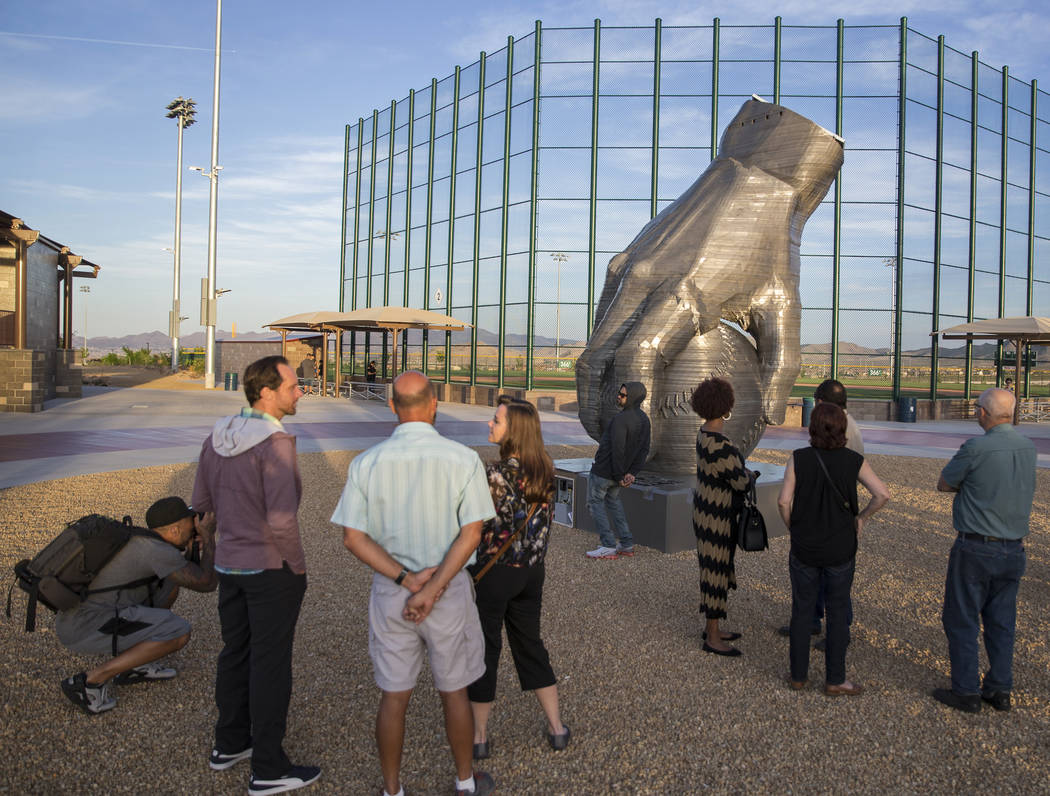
(137, 376)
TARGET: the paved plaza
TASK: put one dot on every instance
(649, 711)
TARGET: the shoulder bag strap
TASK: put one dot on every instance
(506, 545)
(827, 475)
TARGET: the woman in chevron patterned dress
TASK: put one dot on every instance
(721, 482)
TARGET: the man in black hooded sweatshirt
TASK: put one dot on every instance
(622, 452)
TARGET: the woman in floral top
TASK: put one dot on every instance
(511, 593)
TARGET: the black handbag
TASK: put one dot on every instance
(751, 526)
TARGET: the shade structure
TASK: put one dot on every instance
(1021, 330)
(392, 319)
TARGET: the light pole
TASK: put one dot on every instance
(213, 209)
(183, 110)
(85, 289)
(559, 258)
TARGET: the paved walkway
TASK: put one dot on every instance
(118, 429)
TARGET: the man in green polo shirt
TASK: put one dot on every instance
(993, 478)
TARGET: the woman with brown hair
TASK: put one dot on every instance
(510, 593)
(721, 482)
(818, 503)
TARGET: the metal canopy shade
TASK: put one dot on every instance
(392, 319)
(1020, 330)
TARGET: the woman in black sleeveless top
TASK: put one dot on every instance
(818, 503)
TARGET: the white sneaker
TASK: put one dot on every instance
(602, 552)
(92, 699)
(144, 674)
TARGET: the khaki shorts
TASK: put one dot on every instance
(451, 635)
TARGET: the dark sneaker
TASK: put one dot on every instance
(220, 761)
(297, 777)
(92, 699)
(145, 674)
(967, 703)
(1000, 700)
(483, 785)
(560, 742)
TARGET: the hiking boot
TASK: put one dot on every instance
(92, 699)
(483, 785)
(297, 777)
(220, 761)
(144, 674)
(624, 552)
(602, 552)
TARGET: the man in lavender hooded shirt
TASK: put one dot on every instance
(248, 476)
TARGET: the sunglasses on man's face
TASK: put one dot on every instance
(621, 395)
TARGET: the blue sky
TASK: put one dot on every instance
(89, 157)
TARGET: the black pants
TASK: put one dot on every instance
(512, 596)
(253, 684)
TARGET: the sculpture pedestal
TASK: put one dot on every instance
(659, 507)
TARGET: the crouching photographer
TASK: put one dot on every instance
(126, 611)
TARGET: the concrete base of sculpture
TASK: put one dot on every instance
(659, 507)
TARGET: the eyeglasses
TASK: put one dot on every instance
(621, 395)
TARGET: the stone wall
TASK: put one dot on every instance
(28, 377)
(233, 356)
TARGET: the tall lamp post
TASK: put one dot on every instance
(559, 258)
(213, 207)
(84, 289)
(183, 111)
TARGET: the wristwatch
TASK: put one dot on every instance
(401, 576)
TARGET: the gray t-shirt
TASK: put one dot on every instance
(140, 558)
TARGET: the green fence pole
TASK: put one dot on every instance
(972, 259)
(408, 218)
(836, 233)
(342, 233)
(777, 55)
(476, 260)
(533, 206)
(715, 28)
(389, 215)
(452, 214)
(1005, 140)
(371, 228)
(902, 103)
(428, 234)
(1031, 229)
(357, 214)
(938, 210)
(592, 234)
(654, 185)
(504, 219)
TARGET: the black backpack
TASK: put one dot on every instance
(59, 576)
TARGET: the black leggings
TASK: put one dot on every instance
(512, 596)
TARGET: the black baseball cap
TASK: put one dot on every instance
(167, 511)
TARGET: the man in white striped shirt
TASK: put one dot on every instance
(412, 509)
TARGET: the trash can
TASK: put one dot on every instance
(906, 410)
(230, 381)
(807, 410)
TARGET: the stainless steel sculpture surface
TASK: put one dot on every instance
(727, 248)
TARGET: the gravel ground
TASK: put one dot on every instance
(650, 712)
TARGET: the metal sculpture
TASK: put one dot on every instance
(727, 248)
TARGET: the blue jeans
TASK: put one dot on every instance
(981, 586)
(603, 496)
(805, 584)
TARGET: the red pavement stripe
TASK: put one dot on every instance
(17, 447)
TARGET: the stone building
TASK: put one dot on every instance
(37, 360)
